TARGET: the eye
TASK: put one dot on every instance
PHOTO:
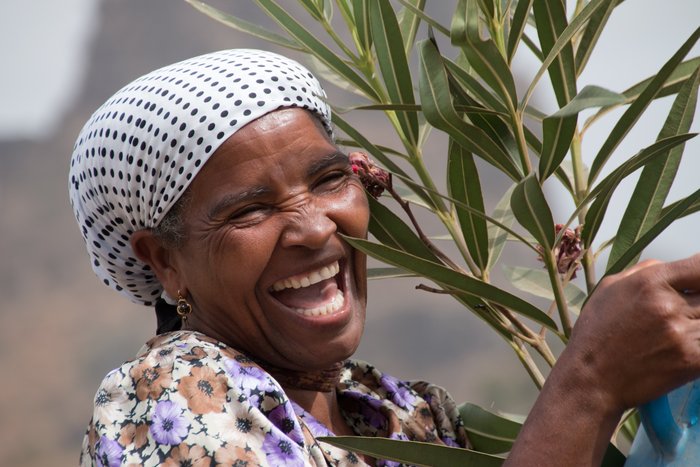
(334, 178)
(249, 213)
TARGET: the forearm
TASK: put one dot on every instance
(571, 422)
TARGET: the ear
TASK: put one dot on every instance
(162, 260)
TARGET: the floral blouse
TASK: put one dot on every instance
(190, 400)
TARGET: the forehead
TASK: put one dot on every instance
(271, 147)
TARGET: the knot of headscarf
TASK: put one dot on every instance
(142, 148)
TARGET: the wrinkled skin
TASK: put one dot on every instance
(637, 338)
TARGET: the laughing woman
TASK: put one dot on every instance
(212, 190)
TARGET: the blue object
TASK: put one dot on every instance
(670, 432)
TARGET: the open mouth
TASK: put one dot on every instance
(315, 293)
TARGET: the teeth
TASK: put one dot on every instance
(314, 277)
(327, 309)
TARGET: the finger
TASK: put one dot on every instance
(638, 267)
(684, 274)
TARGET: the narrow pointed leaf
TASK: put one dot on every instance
(464, 185)
(550, 16)
(537, 282)
(517, 26)
(604, 190)
(635, 110)
(488, 431)
(672, 84)
(659, 226)
(409, 22)
(557, 134)
(440, 112)
(483, 55)
(244, 26)
(589, 96)
(531, 210)
(360, 12)
(312, 7)
(497, 235)
(393, 64)
(474, 87)
(655, 181)
(387, 273)
(413, 452)
(590, 35)
(452, 279)
(563, 40)
(391, 230)
(302, 35)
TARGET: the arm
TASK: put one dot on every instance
(636, 339)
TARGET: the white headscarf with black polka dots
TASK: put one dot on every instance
(142, 148)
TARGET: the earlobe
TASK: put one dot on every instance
(150, 249)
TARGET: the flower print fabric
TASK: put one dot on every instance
(190, 400)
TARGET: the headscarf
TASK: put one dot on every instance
(142, 148)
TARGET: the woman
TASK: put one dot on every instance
(212, 188)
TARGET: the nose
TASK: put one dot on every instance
(310, 227)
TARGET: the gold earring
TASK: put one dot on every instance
(183, 307)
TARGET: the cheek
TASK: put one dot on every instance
(355, 211)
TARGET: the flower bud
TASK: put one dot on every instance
(373, 178)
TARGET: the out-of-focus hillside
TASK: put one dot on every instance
(62, 330)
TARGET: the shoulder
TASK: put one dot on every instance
(186, 397)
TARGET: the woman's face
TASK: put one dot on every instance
(263, 263)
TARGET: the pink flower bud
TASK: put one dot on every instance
(568, 252)
(373, 178)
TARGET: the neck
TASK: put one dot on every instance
(315, 380)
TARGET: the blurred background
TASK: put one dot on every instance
(62, 330)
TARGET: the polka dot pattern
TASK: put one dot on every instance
(143, 147)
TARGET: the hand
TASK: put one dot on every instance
(639, 333)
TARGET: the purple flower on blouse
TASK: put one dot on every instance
(399, 392)
(371, 413)
(317, 428)
(283, 417)
(252, 381)
(109, 452)
(281, 451)
(169, 425)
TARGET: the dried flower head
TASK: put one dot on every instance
(568, 252)
(373, 178)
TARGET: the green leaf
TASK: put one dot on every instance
(557, 134)
(313, 9)
(413, 452)
(391, 230)
(537, 282)
(590, 35)
(590, 96)
(440, 112)
(244, 26)
(604, 190)
(550, 16)
(474, 87)
(517, 27)
(451, 279)
(387, 273)
(672, 84)
(531, 210)
(483, 55)
(642, 242)
(391, 56)
(487, 431)
(409, 22)
(360, 12)
(497, 235)
(302, 35)
(657, 177)
(464, 185)
(635, 110)
(562, 42)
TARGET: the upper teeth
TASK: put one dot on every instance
(314, 277)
